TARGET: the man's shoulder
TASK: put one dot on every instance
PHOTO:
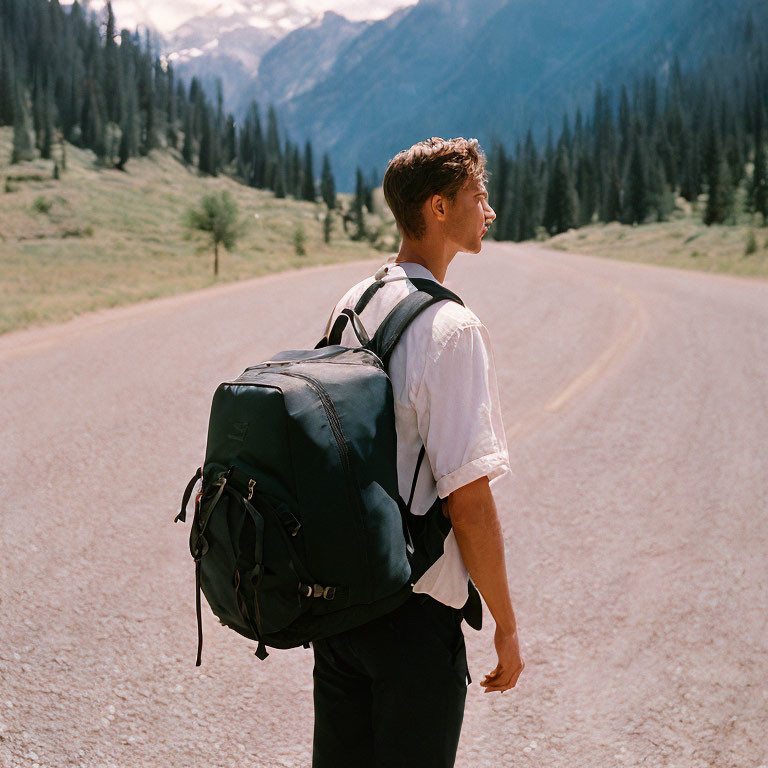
(435, 326)
(455, 316)
(447, 320)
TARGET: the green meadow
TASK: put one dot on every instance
(98, 237)
(739, 247)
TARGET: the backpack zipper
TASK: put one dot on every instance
(268, 364)
(328, 407)
(338, 433)
(333, 419)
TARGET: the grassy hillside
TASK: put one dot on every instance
(100, 237)
(684, 242)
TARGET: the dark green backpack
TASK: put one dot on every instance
(299, 531)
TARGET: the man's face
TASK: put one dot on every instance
(469, 216)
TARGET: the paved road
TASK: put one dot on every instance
(636, 404)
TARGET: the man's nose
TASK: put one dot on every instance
(490, 214)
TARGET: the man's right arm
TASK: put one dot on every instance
(477, 528)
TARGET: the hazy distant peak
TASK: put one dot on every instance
(278, 17)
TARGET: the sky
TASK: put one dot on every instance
(166, 15)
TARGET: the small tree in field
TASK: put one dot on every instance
(327, 226)
(299, 240)
(217, 215)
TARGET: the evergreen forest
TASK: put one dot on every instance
(67, 76)
(703, 132)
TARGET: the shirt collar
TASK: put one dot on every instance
(410, 269)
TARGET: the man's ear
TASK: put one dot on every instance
(437, 205)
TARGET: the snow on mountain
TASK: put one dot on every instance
(244, 29)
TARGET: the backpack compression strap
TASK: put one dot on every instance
(404, 313)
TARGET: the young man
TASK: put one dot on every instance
(391, 694)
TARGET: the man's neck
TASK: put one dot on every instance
(436, 262)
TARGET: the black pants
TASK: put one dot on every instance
(390, 694)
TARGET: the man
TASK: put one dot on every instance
(391, 693)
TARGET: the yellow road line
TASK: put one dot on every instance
(601, 363)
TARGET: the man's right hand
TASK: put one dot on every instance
(477, 528)
(510, 664)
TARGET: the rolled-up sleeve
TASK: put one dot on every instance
(458, 411)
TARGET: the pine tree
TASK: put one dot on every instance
(636, 198)
(48, 129)
(561, 203)
(272, 149)
(219, 127)
(586, 189)
(258, 159)
(280, 179)
(206, 161)
(131, 123)
(660, 197)
(7, 83)
(172, 110)
(123, 152)
(690, 179)
(611, 201)
(307, 176)
(187, 150)
(531, 192)
(113, 81)
(357, 207)
(513, 227)
(758, 188)
(23, 135)
(720, 199)
(146, 92)
(624, 122)
(734, 159)
(711, 148)
(289, 170)
(327, 184)
(369, 187)
(497, 182)
(297, 172)
(230, 141)
(38, 109)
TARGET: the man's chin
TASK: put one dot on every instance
(472, 247)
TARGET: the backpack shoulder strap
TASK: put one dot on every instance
(362, 302)
(404, 313)
(333, 334)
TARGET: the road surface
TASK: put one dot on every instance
(636, 524)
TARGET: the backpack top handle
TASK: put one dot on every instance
(333, 336)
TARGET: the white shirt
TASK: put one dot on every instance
(446, 397)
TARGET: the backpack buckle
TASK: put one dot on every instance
(317, 590)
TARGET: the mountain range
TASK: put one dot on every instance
(485, 68)
(228, 43)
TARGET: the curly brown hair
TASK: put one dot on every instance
(435, 166)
